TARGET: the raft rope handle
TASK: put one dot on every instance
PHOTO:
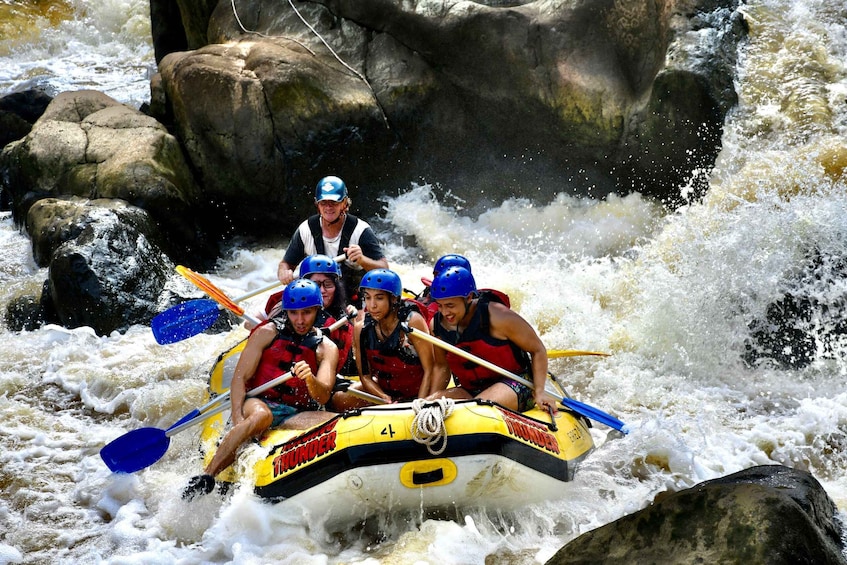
(428, 424)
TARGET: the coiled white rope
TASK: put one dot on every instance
(428, 424)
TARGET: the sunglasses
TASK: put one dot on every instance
(328, 284)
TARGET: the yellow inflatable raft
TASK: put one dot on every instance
(377, 459)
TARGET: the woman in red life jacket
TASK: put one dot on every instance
(480, 323)
(324, 271)
(392, 365)
(284, 343)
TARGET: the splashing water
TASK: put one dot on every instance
(59, 46)
(691, 305)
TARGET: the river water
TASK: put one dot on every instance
(678, 299)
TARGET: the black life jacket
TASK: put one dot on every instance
(394, 362)
(350, 277)
(477, 340)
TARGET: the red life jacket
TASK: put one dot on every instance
(425, 306)
(394, 362)
(286, 349)
(477, 340)
(342, 337)
(273, 300)
(431, 310)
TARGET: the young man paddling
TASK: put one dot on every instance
(279, 345)
(324, 271)
(481, 324)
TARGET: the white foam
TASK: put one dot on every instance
(105, 47)
(671, 296)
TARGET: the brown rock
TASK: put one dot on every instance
(764, 515)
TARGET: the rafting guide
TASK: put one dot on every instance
(331, 231)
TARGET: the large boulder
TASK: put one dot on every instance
(105, 269)
(764, 515)
(18, 112)
(88, 145)
(492, 99)
(252, 117)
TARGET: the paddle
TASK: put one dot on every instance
(217, 294)
(193, 317)
(210, 289)
(141, 448)
(365, 396)
(580, 408)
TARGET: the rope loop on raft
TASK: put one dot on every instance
(428, 424)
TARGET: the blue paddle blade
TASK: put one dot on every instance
(595, 414)
(135, 450)
(184, 320)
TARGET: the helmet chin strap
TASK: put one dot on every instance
(464, 315)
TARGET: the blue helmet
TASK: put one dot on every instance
(319, 264)
(455, 281)
(330, 188)
(383, 279)
(301, 294)
(450, 260)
